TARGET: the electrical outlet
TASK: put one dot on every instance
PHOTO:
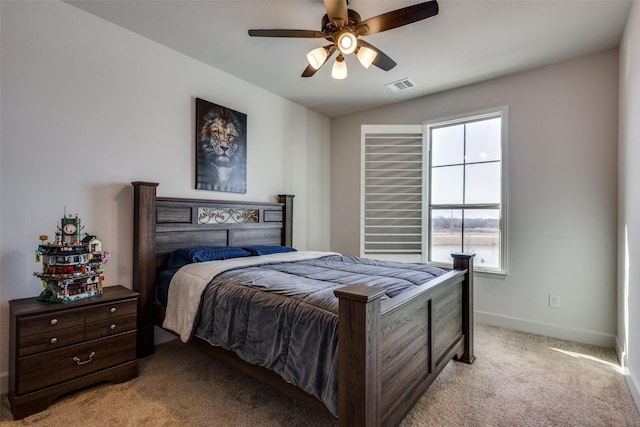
(554, 301)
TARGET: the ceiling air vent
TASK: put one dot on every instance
(399, 85)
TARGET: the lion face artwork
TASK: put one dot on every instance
(221, 160)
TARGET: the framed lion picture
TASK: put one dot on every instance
(221, 148)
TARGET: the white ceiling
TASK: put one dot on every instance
(467, 42)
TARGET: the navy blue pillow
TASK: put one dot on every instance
(180, 257)
(266, 250)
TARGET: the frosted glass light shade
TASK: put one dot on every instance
(339, 70)
(366, 56)
(316, 57)
(347, 42)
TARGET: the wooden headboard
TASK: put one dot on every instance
(163, 224)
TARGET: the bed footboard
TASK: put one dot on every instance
(391, 351)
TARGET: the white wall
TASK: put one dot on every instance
(88, 107)
(561, 200)
(629, 202)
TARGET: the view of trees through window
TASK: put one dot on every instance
(479, 235)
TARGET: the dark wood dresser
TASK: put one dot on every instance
(57, 348)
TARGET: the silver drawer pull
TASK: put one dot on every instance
(54, 321)
(54, 340)
(113, 309)
(112, 327)
(77, 359)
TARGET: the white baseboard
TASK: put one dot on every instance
(634, 387)
(547, 329)
(620, 353)
(629, 374)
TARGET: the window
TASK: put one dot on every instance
(431, 190)
(466, 189)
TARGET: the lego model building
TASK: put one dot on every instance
(71, 267)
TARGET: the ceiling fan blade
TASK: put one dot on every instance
(397, 18)
(310, 71)
(306, 34)
(381, 60)
(336, 9)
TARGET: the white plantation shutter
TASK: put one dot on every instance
(432, 189)
(392, 192)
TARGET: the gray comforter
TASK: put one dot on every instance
(283, 316)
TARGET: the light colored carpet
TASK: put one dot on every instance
(518, 379)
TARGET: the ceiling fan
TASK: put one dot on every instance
(342, 27)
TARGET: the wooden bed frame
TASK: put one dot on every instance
(389, 351)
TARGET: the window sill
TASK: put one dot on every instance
(491, 274)
(476, 271)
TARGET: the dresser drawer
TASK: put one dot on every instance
(52, 367)
(50, 322)
(108, 327)
(109, 311)
(50, 339)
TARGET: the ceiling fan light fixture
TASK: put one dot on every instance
(347, 42)
(342, 27)
(339, 70)
(317, 56)
(366, 56)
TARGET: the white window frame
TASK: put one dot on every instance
(425, 128)
(503, 112)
